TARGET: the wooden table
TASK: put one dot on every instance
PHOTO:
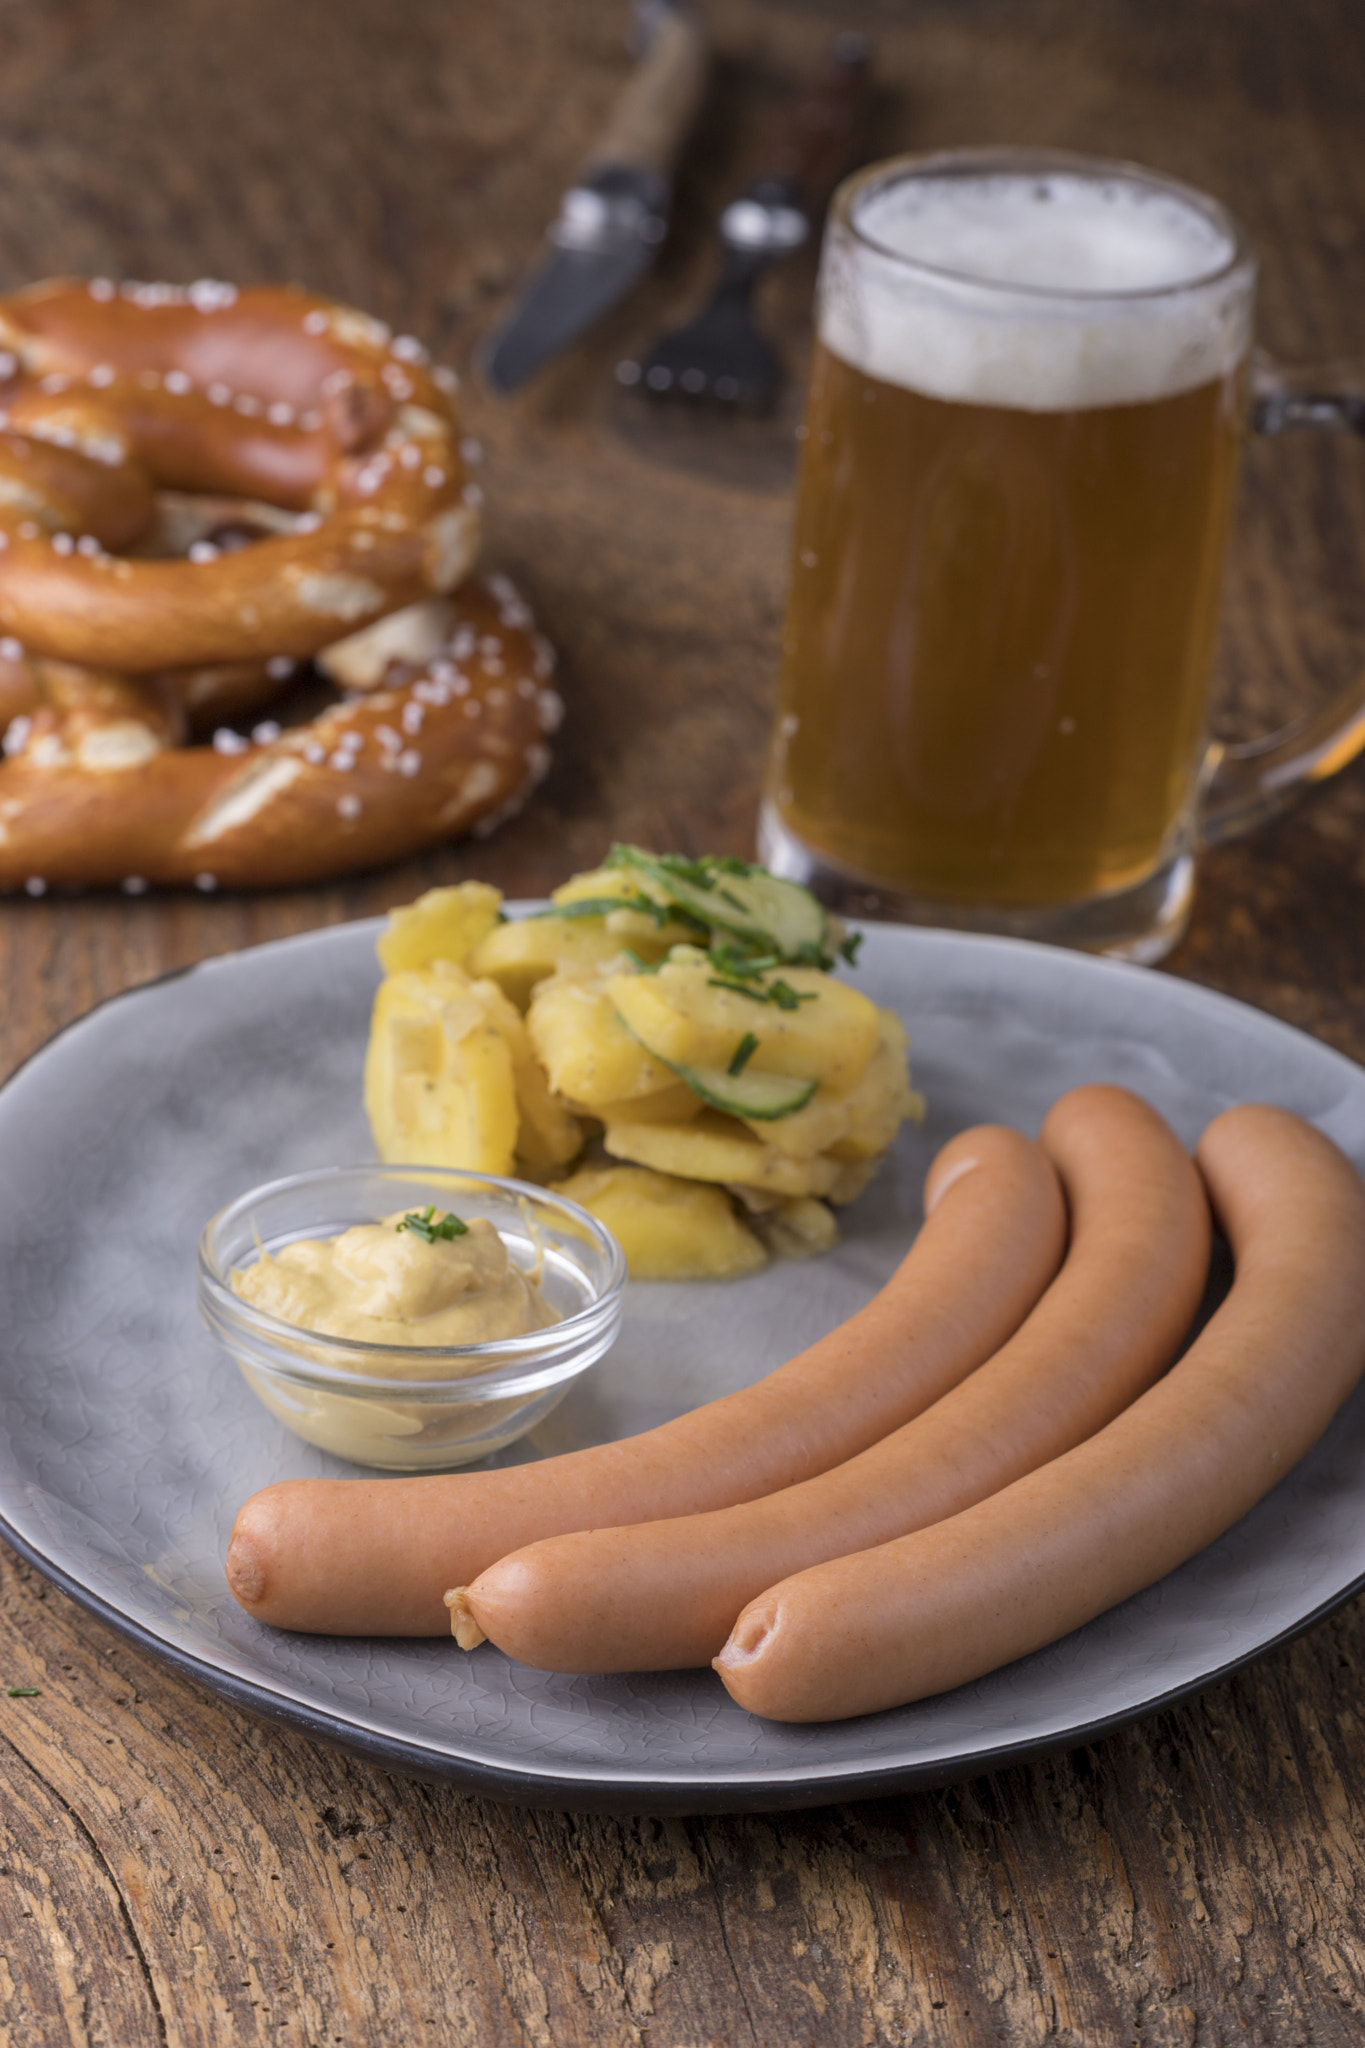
(172, 1871)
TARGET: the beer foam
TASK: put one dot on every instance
(1046, 292)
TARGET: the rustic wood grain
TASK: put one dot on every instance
(173, 1871)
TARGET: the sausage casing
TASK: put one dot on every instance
(664, 1594)
(1191, 1456)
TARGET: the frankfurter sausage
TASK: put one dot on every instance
(664, 1594)
(1181, 1465)
(373, 1557)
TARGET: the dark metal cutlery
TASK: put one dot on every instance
(614, 217)
(721, 355)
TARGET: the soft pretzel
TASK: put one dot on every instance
(95, 790)
(109, 393)
(198, 488)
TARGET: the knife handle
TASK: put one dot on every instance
(821, 134)
(646, 126)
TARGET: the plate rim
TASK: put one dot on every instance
(660, 1791)
(600, 1792)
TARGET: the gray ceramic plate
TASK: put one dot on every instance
(127, 1441)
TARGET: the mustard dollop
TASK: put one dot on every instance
(386, 1284)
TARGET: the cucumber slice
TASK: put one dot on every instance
(747, 902)
(761, 1097)
(764, 1097)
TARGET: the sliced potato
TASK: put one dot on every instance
(674, 1105)
(621, 885)
(528, 951)
(497, 1046)
(445, 924)
(720, 1148)
(798, 1229)
(548, 1134)
(681, 1014)
(850, 1177)
(669, 1229)
(647, 934)
(644, 935)
(859, 1121)
(810, 1131)
(584, 1047)
(883, 1100)
(439, 1083)
(596, 885)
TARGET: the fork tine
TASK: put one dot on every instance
(718, 356)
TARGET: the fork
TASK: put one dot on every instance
(721, 355)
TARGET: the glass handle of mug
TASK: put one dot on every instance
(1247, 781)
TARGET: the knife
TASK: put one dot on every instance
(614, 217)
(721, 354)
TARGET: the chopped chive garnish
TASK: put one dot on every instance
(744, 1052)
(780, 993)
(737, 988)
(602, 906)
(741, 964)
(738, 905)
(849, 948)
(694, 871)
(812, 956)
(23, 1692)
(420, 1223)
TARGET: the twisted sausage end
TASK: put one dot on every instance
(463, 1626)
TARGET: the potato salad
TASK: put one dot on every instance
(667, 1043)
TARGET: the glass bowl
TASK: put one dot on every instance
(413, 1408)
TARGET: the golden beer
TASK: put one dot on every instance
(1020, 607)
(1011, 526)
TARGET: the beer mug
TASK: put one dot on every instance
(1032, 378)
